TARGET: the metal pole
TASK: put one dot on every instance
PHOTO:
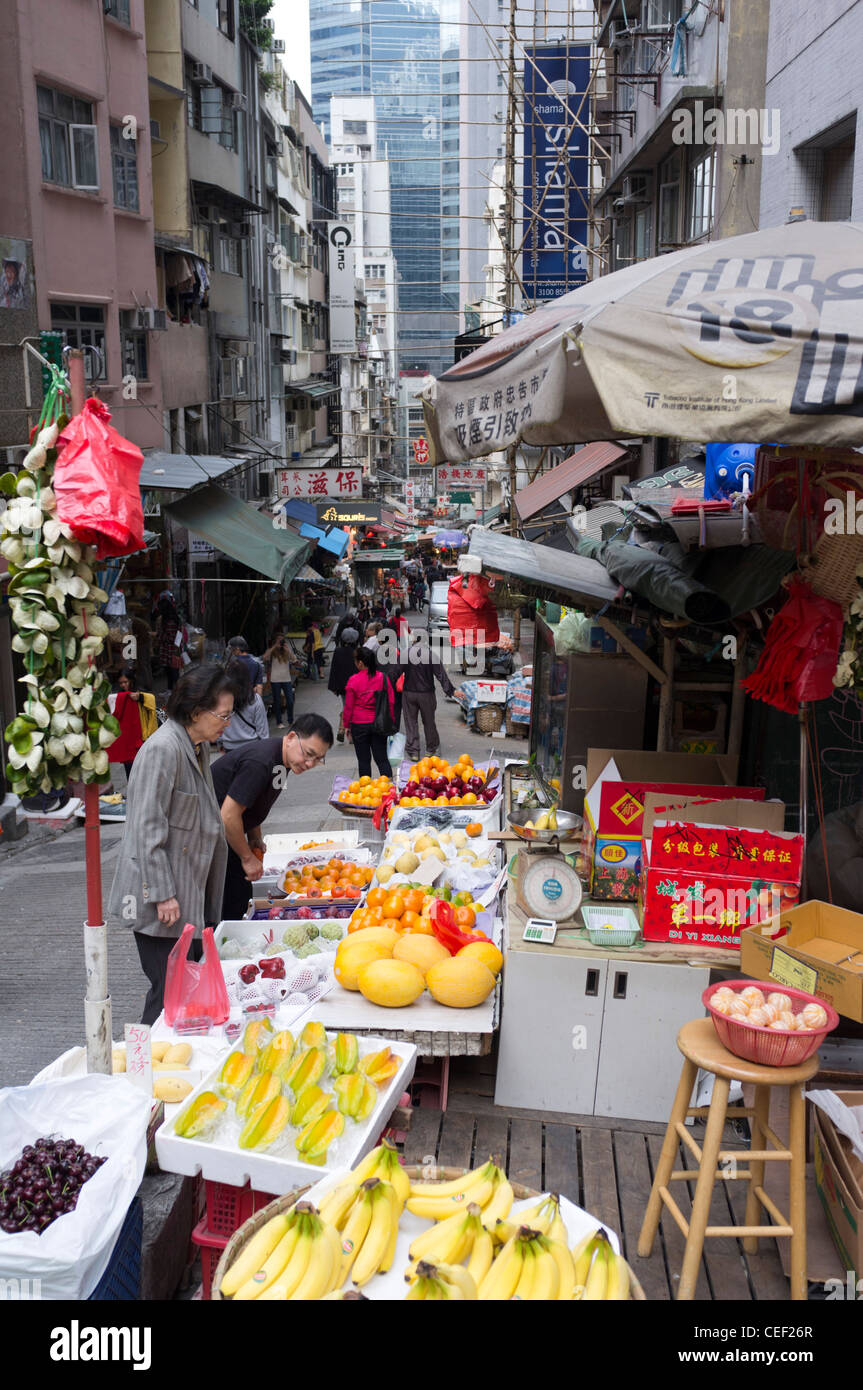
(97, 1001)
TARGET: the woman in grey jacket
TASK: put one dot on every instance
(173, 855)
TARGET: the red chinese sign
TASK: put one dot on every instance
(726, 849)
(475, 476)
(421, 450)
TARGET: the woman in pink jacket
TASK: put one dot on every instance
(361, 696)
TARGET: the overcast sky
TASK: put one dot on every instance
(292, 25)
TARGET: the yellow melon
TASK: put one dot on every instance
(393, 983)
(486, 951)
(349, 963)
(460, 982)
(381, 936)
(420, 950)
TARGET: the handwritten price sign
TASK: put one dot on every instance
(139, 1056)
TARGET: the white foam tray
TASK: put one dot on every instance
(220, 1160)
(392, 1287)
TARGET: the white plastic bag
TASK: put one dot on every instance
(396, 744)
(572, 634)
(108, 1115)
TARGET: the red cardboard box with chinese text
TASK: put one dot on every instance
(701, 884)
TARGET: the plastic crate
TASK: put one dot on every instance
(210, 1247)
(121, 1282)
(611, 926)
(228, 1207)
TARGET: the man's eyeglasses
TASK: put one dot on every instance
(313, 758)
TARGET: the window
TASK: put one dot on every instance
(68, 140)
(700, 197)
(133, 346)
(82, 325)
(837, 181)
(661, 14)
(669, 203)
(208, 110)
(356, 127)
(230, 255)
(625, 66)
(226, 18)
(117, 9)
(641, 234)
(124, 168)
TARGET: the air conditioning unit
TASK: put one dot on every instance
(202, 75)
(278, 46)
(152, 320)
(239, 229)
(155, 130)
(238, 101)
(288, 356)
(636, 190)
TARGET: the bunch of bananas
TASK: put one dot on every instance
(487, 1187)
(296, 1256)
(366, 1209)
(601, 1275)
(435, 1283)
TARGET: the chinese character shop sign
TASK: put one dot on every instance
(461, 477)
(556, 169)
(311, 483)
(421, 450)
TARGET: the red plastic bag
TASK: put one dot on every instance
(96, 483)
(471, 613)
(193, 989)
(801, 651)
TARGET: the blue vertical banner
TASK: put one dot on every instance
(556, 170)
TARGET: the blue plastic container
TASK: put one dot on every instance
(121, 1282)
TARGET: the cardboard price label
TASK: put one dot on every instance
(139, 1056)
(788, 971)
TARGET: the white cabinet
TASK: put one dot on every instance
(593, 1035)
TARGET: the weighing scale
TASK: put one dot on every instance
(547, 884)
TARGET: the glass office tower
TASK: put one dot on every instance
(405, 53)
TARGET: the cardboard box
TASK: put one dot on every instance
(616, 869)
(790, 948)
(704, 884)
(839, 1184)
(741, 811)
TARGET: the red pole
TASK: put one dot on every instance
(92, 842)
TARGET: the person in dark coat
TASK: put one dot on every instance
(839, 879)
(342, 668)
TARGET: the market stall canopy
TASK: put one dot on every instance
(313, 387)
(307, 575)
(584, 579)
(452, 539)
(183, 471)
(377, 557)
(336, 541)
(574, 472)
(301, 511)
(241, 532)
(756, 337)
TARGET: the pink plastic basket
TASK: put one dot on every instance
(771, 1047)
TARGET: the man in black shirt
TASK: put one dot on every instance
(248, 781)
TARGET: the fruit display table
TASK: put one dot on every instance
(591, 1030)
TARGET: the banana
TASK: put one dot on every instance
(582, 1254)
(618, 1278)
(459, 1277)
(439, 1208)
(481, 1257)
(389, 1168)
(377, 1239)
(421, 1248)
(546, 1280)
(335, 1239)
(258, 1250)
(454, 1185)
(396, 1211)
(499, 1206)
(524, 1287)
(450, 1243)
(565, 1268)
(596, 1284)
(270, 1270)
(355, 1231)
(336, 1204)
(502, 1279)
(318, 1278)
(295, 1270)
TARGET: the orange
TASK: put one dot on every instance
(357, 878)
(394, 905)
(377, 897)
(410, 920)
(441, 801)
(377, 914)
(414, 899)
(365, 781)
(469, 799)
(359, 919)
(465, 918)
(473, 829)
(394, 923)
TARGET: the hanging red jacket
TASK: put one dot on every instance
(800, 653)
(471, 613)
(130, 738)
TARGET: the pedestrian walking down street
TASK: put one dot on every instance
(281, 680)
(360, 706)
(342, 668)
(238, 649)
(169, 650)
(173, 855)
(247, 785)
(250, 715)
(418, 697)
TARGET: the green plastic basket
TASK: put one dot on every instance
(611, 925)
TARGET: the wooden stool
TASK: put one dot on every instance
(701, 1048)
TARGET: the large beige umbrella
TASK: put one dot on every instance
(751, 338)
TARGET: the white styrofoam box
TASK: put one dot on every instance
(490, 692)
(74, 1063)
(280, 1168)
(391, 1286)
(289, 844)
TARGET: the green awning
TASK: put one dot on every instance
(377, 557)
(461, 498)
(313, 387)
(242, 532)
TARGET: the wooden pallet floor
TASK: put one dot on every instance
(604, 1166)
